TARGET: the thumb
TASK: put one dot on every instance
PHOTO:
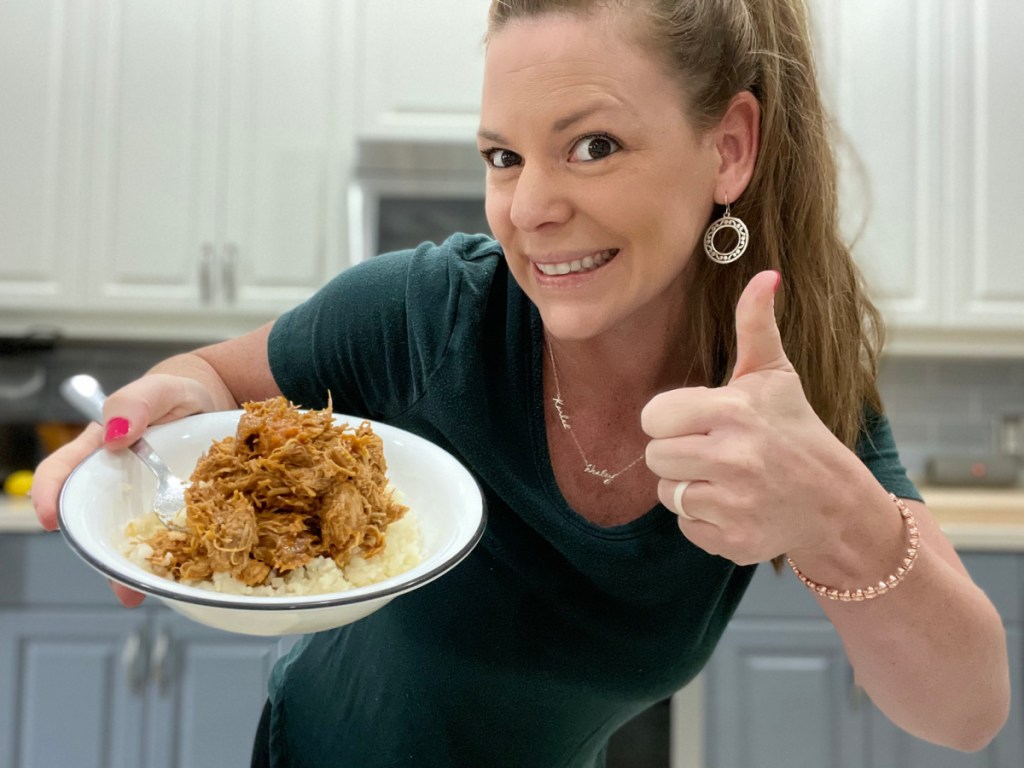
(758, 343)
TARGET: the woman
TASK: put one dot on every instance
(590, 364)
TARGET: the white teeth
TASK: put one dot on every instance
(585, 264)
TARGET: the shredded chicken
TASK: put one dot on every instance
(289, 486)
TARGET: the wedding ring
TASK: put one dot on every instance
(677, 501)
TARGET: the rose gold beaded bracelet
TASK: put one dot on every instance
(886, 585)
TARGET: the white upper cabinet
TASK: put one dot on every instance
(42, 108)
(279, 238)
(178, 169)
(986, 251)
(170, 169)
(879, 64)
(420, 68)
(214, 162)
(155, 158)
(926, 105)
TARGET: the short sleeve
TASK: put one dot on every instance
(372, 337)
(877, 449)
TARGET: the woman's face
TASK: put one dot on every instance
(597, 186)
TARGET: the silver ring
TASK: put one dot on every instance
(677, 501)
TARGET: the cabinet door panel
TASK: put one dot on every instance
(781, 694)
(881, 80)
(207, 689)
(984, 149)
(420, 68)
(157, 137)
(67, 693)
(274, 242)
(41, 100)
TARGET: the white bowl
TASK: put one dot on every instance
(108, 489)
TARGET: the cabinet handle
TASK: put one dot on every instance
(158, 668)
(132, 662)
(228, 272)
(206, 254)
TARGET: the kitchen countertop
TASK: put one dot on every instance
(972, 518)
(990, 519)
(17, 515)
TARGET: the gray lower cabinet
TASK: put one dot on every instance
(66, 693)
(87, 683)
(206, 690)
(780, 695)
(780, 692)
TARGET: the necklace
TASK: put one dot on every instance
(588, 466)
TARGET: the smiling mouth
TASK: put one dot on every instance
(586, 264)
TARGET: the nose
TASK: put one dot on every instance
(540, 197)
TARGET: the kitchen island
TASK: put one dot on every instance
(86, 682)
(780, 665)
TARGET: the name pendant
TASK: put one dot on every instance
(590, 469)
(562, 416)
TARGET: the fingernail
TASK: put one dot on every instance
(116, 427)
(778, 280)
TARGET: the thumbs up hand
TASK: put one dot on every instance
(758, 343)
(743, 464)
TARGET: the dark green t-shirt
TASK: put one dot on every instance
(554, 631)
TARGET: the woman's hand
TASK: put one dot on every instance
(127, 413)
(754, 453)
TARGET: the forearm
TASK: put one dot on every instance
(204, 389)
(931, 654)
(227, 374)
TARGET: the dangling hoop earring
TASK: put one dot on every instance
(727, 221)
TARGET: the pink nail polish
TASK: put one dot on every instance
(778, 280)
(116, 427)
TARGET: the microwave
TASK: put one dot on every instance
(404, 193)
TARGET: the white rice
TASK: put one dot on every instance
(401, 552)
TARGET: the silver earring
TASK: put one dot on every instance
(727, 221)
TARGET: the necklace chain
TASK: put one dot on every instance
(588, 466)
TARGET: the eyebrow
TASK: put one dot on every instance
(558, 126)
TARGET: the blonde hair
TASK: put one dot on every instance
(831, 331)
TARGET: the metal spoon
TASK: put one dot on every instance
(85, 394)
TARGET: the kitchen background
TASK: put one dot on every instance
(176, 173)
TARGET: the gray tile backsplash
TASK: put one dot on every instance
(935, 405)
(948, 406)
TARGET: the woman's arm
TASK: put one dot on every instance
(931, 654)
(764, 476)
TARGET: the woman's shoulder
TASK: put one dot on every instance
(424, 277)
(460, 252)
(383, 327)
(442, 276)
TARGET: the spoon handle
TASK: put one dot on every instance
(84, 393)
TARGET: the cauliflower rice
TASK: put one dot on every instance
(402, 551)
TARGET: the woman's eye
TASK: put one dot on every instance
(594, 148)
(501, 158)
